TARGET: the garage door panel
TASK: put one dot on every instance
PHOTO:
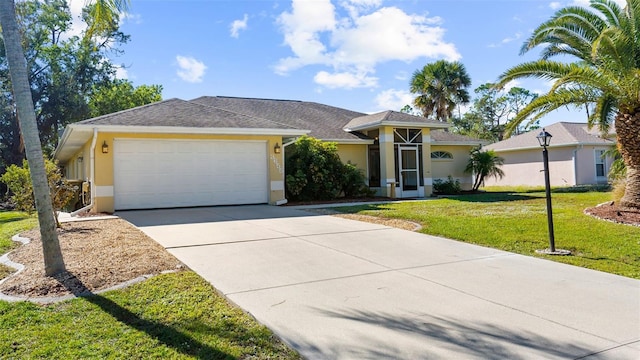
(177, 173)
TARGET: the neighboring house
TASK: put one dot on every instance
(225, 150)
(576, 157)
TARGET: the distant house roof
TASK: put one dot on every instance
(563, 134)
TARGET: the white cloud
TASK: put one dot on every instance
(555, 5)
(506, 40)
(393, 99)
(344, 80)
(511, 84)
(190, 69)
(357, 42)
(238, 25)
(121, 73)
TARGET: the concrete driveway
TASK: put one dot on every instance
(341, 289)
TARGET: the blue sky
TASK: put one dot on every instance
(354, 54)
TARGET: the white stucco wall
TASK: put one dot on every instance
(524, 168)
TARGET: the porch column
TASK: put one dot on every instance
(387, 162)
(426, 162)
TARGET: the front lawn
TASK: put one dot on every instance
(11, 223)
(171, 316)
(517, 222)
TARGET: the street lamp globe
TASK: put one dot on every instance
(544, 138)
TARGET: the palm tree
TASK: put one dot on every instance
(441, 86)
(103, 11)
(484, 164)
(604, 40)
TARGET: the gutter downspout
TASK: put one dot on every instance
(92, 157)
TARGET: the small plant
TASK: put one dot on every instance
(18, 181)
(448, 187)
(619, 186)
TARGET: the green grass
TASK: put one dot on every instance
(517, 222)
(11, 223)
(171, 316)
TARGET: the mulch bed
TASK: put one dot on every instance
(611, 212)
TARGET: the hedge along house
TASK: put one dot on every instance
(576, 157)
(224, 150)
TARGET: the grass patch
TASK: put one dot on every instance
(517, 222)
(11, 223)
(172, 316)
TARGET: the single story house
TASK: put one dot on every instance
(576, 157)
(225, 150)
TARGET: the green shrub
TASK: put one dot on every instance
(314, 172)
(448, 187)
(18, 181)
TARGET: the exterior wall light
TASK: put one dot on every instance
(276, 149)
(105, 147)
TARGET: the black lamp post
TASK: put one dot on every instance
(544, 138)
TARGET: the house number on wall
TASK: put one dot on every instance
(277, 164)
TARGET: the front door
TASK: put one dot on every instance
(409, 170)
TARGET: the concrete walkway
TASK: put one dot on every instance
(340, 289)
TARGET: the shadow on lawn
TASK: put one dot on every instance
(490, 197)
(164, 334)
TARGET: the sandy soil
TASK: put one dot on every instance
(98, 254)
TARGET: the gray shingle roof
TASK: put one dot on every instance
(394, 117)
(563, 133)
(324, 121)
(449, 137)
(181, 113)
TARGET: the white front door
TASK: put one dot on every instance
(409, 171)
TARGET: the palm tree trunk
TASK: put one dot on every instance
(627, 130)
(53, 261)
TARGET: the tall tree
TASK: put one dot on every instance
(119, 95)
(604, 40)
(53, 261)
(440, 86)
(26, 115)
(64, 72)
(492, 111)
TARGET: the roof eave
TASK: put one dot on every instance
(192, 130)
(377, 124)
(538, 147)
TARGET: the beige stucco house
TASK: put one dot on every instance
(576, 157)
(226, 150)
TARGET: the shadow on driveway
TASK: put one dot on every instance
(473, 340)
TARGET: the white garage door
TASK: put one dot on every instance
(181, 173)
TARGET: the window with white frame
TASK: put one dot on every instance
(600, 163)
(441, 155)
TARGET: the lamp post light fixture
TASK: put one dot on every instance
(105, 147)
(544, 138)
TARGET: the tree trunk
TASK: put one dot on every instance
(53, 262)
(628, 130)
